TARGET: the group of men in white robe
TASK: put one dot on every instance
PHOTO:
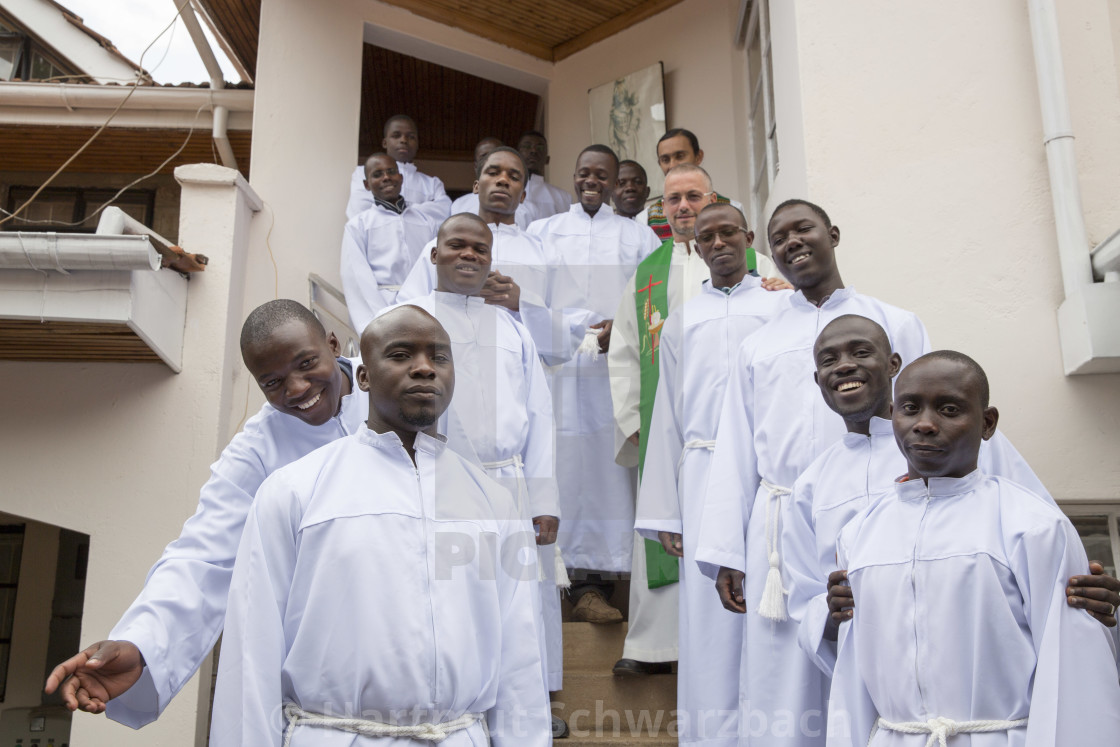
(717, 498)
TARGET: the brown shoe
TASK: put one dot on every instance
(593, 607)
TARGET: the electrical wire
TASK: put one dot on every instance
(94, 136)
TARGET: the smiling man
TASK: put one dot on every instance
(522, 272)
(676, 147)
(401, 142)
(172, 626)
(597, 250)
(695, 356)
(663, 282)
(382, 590)
(958, 578)
(381, 244)
(772, 425)
(502, 401)
(854, 369)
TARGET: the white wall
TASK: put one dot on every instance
(922, 138)
(119, 451)
(693, 41)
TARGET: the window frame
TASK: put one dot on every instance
(760, 101)
(1110, 510)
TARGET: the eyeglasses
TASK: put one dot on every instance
(692, 198)
(380, 173)
(726, 233)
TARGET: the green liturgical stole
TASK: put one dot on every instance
(651, 298)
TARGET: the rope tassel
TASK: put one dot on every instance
(590, 345)
(772, 606)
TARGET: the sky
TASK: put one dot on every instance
(132, 25)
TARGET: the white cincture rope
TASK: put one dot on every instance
(393, 288)
(695, 444)
(518, 465)
(941, 728)
(296, 716)
(590, 345)
(773, 603)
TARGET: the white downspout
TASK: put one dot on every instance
(217, 82)
(1073, 239)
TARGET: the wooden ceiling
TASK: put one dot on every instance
(118, 150)
(453, 110)
(548, 29)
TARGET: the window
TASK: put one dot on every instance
(763, 129)
(11, 551)
(1099, 528)
(22, 57)
(57, 207)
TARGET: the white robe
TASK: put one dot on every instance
(379, 247)
(367, 586)
(596, 255)
(503, 403)
(961, 613)
(774, 422)
(698, 346)
(840, 483)
(468, 203)
(533, 268)
(652, 632)
(544, 199)
(179, 614)
(417, 188)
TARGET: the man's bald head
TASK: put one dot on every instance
(391, 322)
(689, 168)
(264, 320)
(457, 220)
(850, 324)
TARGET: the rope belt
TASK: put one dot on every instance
(773, 603)
(393, 288)
(518, 465)
(296, 716)
(941, 728)
(695, 444)
(589, 346)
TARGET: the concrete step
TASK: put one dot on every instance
(628, 701)
(578, 741)
(592, 648)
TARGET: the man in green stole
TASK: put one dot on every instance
(666, 279)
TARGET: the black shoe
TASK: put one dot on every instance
(559, 728)
(633, 667)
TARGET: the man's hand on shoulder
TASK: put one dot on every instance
(1097, 593)
(93, 677)
(776, 284)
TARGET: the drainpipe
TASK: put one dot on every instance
(1073, 240)
(217, 82)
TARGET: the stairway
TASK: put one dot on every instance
(602, 709)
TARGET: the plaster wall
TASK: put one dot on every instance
(118, 451)
(694, 42)
(923, 140)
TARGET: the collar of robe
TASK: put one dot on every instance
(390, 441)
(447, 298)
(406, 168)
(397, 207)
(877, 427)
(839, 295)
(939, 487)
(749, 282)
